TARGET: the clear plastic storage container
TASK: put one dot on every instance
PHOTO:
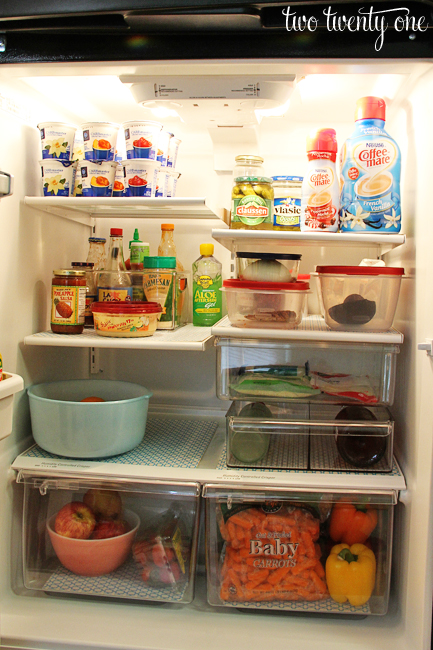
(276, 371)
(304, 436)
(130, 539)
(265, 305)
(277, 549)
(267, 267)
(359, 297)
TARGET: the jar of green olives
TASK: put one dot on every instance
(252, 203)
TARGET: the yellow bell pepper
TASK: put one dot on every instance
(351, 573)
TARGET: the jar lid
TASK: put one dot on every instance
(266, 286)
(167, 226)
(116, 232)
(292, 179)
(253, 179)
(70, 273)
(98, 240)
(245, 157)
(126, 307)
(269, 256)
(83, 265)
(361, 270)
(159, 262)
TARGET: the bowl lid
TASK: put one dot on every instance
(124, 307)
(269, 256)
(266, 286)
(361, 270)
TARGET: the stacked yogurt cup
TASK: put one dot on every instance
(96, 171)
(91, 169)
(57, 165)
(146, 170)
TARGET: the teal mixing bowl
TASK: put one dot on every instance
(64, 425)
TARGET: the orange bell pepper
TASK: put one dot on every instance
(352, 523)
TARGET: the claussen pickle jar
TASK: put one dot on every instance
(252, 203)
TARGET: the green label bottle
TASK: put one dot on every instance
(207, 282)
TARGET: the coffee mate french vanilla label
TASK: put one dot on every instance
(320, 195)
(370, 178)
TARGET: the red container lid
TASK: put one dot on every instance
(322, 140)
(116, 232)
(370, 108)
(361, 270)
(266, 286)
(138, 307)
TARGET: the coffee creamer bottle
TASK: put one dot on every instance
(320, 188)
(370, 173)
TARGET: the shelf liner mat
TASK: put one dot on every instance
(319, 606)
(125, 582)
(168, 442)
(324, 455)
(290, 452)
(222, 465)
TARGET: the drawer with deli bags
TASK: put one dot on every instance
(333, 372)
(302, 436)
(128, 539)
(297, 550)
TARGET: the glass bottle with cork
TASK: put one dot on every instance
(114, 283)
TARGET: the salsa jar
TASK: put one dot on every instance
(91, 291)
(252, 203)
(68, 301)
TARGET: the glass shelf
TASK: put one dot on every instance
(277, 240)
(87, 209)
(187, 337)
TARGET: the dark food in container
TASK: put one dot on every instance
(359, 450)
(355, 310)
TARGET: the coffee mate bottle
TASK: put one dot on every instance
(370, 173)
(320, 188)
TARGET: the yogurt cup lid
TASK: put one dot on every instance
(43, 125)
(269, 256)
(266, 286)
(361, 270)
(139, 122)
(99, 124)
(53, 161)
(125, 307)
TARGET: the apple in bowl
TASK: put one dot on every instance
(94, 556)
(75, 520)
(105, 504)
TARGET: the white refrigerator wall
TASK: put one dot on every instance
(35, 243)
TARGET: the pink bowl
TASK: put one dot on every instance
(94, 557)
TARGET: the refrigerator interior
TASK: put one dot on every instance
(36, 242)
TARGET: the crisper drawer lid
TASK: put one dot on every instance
(45, 482)
(250, 493)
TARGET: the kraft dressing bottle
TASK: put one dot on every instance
(320, 189)
(370, 173)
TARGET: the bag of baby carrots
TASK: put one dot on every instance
(270, 554)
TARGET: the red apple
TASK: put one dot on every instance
(105, 529)
(106, 504)
(76, 520)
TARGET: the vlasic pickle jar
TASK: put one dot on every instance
(252, 203)
(287, 202)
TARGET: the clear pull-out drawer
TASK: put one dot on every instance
(279, 371)
(283, 549)
(306, 436)
(119, 539)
